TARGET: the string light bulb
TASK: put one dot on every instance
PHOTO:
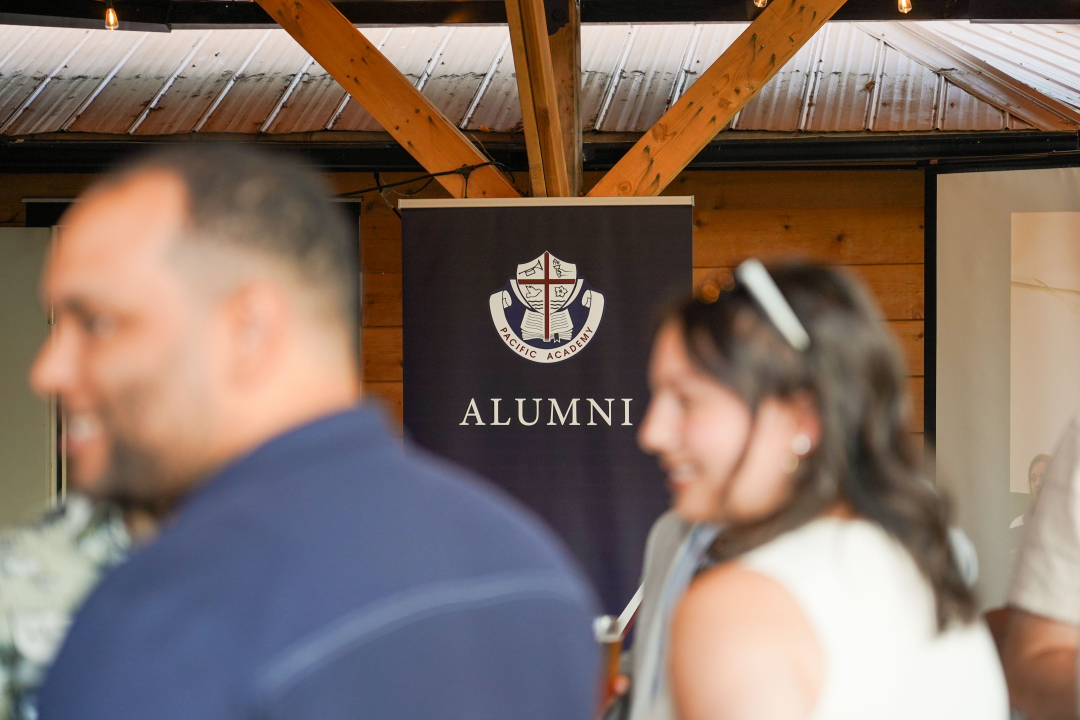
(111, 21)
(761, 3)
(904, 6)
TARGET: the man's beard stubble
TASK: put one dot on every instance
(139, 476)
(137, 479)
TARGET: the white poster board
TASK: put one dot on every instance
(977, 459)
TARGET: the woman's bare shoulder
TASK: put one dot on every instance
(743, 648)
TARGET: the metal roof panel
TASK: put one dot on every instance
(462, 67)
(644, 85)
(847, 74)
(963, 111)
(129, 97)
(311, 105)
(201, 82)
(77, 82)
(908, 95)
(602, 46)
(411, 49)
(251, 81)
(33, 66)
(258, 86)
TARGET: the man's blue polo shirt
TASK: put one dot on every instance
(332, 574)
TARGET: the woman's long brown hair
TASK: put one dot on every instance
(854, 373)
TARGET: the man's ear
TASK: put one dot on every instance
(258, 315)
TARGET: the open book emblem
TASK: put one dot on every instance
(546, 313)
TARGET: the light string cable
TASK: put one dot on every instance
(385, 189)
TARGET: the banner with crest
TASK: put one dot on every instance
(526, 334)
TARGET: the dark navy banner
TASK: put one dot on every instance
(527, 327)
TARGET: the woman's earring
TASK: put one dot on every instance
(800, 445)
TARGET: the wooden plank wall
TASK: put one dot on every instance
(870, 221)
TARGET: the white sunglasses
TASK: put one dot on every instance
(762, 287)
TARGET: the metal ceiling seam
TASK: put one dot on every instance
(232, 81)
(1037, 69)
(616, 76)
(104, 82)
(18, 47)
(1000, 78)
(486, 82)
(1013, 41)
(285, 95)
(817, 58)
(168, 83)
(345, 100)
(939, 103)
(977, 77)
(876, 71)
(678, 86)
(434, 61)
(43, 84)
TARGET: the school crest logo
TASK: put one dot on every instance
(547, 313)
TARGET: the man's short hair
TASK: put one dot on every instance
(272, 203)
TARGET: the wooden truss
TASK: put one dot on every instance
(548, 68)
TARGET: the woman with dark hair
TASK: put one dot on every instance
(780, 413)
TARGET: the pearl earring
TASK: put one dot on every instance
(800, 444)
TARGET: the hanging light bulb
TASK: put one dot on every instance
(904, 6)
(761, 3)
(111, 21)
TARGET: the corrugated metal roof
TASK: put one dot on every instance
(261, 81)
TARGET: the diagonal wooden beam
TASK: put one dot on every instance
(706, 108)
(388, 96)
(979, 78)
(566, 64)
(539, 99)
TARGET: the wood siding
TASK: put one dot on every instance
(869, 221)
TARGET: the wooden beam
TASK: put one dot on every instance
(538, 96)
(388, 96)
(566, 64)
(979, 78)
(721, 91)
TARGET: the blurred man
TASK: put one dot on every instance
(1043, 628)
(308, 565)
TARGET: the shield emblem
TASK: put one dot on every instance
(546, 313)
(547, 285)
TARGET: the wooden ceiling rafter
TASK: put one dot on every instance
(720, 92)
(540, 108)
(389, 97)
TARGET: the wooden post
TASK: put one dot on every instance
(721, 91)
(388, 96)
(539, 101)
(566, 64)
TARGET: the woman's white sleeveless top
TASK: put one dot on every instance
(873, 613)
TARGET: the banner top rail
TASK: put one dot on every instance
(544, 202)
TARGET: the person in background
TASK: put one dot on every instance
(308, 565)
(674, 551)
(1036, 475)
(781, 412)
(1042, 629)
(46, 570)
